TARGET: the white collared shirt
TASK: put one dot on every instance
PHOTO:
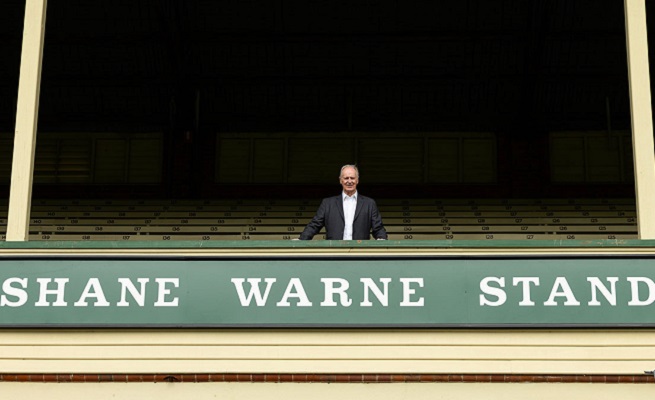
(349, 206)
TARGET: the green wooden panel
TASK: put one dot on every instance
(46, 158)
(145, 161)
(110, 160)
(268, 162)
(443, 160)
(603, 159)
(6, 151)
(389, 157)
(318, 160)
(594, 157)
(567, 158)
(100, 157)
(233, 163)
(74, 160)
(478, 160)
(391, 160)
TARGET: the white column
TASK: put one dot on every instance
(27, 110)
(642, 119)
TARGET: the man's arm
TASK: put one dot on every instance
(316, 224)
(376, 223)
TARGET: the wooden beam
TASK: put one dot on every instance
(27, 110)
(642, 119)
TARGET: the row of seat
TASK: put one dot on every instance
(612, 220)
(406, 236)
(308, 214)
(299, 227)
(562, 220)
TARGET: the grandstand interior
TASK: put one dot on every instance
(229, 120)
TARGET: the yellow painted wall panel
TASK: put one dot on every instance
(331, 352)
(112, 337)
(284, 366)
(323, 391)
(289, 351)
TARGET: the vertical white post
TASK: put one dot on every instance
(642, 119)
(27, 110)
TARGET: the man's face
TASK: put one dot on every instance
(349, 180)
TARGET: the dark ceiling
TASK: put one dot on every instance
(516, 66)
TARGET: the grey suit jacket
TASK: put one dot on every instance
(330, 214)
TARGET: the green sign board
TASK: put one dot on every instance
(339, 292)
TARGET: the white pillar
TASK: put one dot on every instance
(642, 119)
(27, 110)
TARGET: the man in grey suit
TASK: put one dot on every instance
(349, 216)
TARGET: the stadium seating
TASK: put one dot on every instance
(416, 219)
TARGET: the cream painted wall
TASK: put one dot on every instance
(328, 351)
(319, 391)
